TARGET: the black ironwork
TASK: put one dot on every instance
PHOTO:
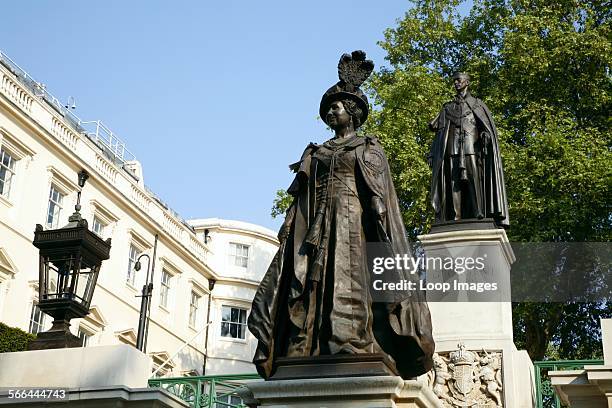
(145, 299)
(69, 263)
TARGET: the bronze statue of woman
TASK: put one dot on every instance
(315, 298)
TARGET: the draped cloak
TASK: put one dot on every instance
(402, 330)
(494, 186)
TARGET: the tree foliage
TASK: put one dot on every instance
(13, 339)
(543, 68)
(281, 203)
(544, 71)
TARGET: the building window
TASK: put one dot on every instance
(7, 172)
(37, 319)
(131, 273)
(164, 291)
(159, 373)
(55, 207)
(239, 254)
(228, 401)
(98, 226)
(127, 336)
(161, 359)
(103, 220)
(194, 305)
(233, 322)
(84, 336)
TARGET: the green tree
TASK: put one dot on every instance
(13, 339)
(544, 70)
(281, 203)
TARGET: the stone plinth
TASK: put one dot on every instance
(343, 365)
(89, 377)
(346, 392)
(103, 366)
(479, 321)
(102, 397)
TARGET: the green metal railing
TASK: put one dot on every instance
(214, 391)
(219, 391)
(545, 393)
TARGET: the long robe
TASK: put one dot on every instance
(494, 186)
(315, 297)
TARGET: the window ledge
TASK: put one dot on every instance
(131, 287)
(164, 308)
(233, 340)
(5, 201)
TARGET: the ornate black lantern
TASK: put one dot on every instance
(70, 260)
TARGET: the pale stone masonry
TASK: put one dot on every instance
(43, 146)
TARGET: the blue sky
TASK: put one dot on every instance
(214, 98)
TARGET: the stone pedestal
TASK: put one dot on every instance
(346, 392)
(104, 376)
(100, 397)
(480, 322)
(343, 365)
(80, 367)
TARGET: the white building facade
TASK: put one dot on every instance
(242, 253)
(197, 279)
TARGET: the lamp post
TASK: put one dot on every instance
(145, 299)
(69, 263)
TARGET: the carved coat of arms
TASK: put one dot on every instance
(464, 378)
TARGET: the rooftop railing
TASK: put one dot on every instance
(94, 130)
(110, 157)
(217, 391)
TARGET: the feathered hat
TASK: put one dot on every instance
(353, 70)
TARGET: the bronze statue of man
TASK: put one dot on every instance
(467, 175)
(315, 298)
